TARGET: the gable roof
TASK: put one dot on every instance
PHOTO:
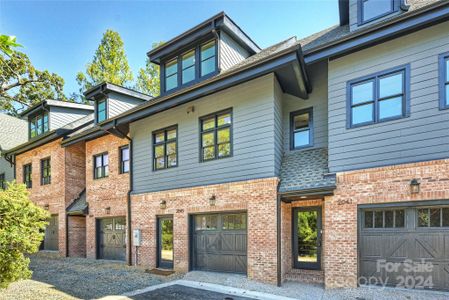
(56, 103)
(13, 131)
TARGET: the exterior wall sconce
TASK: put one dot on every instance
(46, 206)
(108, 210)
(414, 186)
(212, 200)
(163, 204)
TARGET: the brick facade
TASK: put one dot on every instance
(66, 183)
(377, 185)
(107, 197)
(77, 236)
(256, 197)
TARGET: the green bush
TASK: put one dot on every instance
(22, 225)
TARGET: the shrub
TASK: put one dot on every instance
(22, 225)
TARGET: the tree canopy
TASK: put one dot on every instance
(109, 64)
(148, 81)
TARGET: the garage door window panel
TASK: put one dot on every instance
(384, 219)
(433, 217)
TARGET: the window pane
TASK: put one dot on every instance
(368, 219)
(208, 139)
(159, 151)
(208, 66)
(435, 217)
(160, 163)
(390, 108)
(171, 134)
(209, 123)
(399, 219)
(171, 68)
(105, 159)
(378, 219)
(208, 50)
(447, 94)
(159, 137)
(423, 217)
(362, 92)
(390, 85)
(45, 122)
(447, 69)
(188, 75)
(224, 119)
(446, 217)
(362, 114)
(209, 152)
(188, 59)
(301, 138)
(126, 166)
(224, 135)
(171, 160)
(389, 218)
(224, 150)
(374, 8)
(171, 82)
(171, 148)
(101, 106)
(125, 154)
(106, 171)
(98, 161)
(301, 121)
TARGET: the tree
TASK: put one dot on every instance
(22, 224)
(21, 84)
(109, 64)
(148, 81)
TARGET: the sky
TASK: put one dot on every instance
(62, 36)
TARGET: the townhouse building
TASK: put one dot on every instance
(310, 160)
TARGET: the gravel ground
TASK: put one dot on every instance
(78, 278)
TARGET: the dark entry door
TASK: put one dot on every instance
(111, 238)
(405, 247)
(307, 238)
(165, 242)
(51, 234)
(220, 242)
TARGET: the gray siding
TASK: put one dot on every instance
(278, 123)
(61, 116)
(231, 53)
(253, 140)
(5, 167)
(422, 136)
(118, 103)
(317, 100)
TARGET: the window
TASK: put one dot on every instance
(444, 81)
(45, 171)
(124, 159)
(301, 129)
(101, 166)
(171, 75)
(188, 67)
(384, 218)
(27, 176)
(433, 217)
(101, 111)
(165, 152)
(2, 181)
(216, 135)
(206, 222)
(234, 222)
(208, 61)
(38, 124)
(370, 10)
(379, 97)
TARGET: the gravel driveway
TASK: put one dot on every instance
(78, 278)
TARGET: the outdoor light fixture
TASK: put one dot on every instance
(46, 206)
(212, 200)
(163, 204)
(414, 186)
(108, 210)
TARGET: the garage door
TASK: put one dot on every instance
(405, 247)
(112, 238)
(219, 242)
(51, 234)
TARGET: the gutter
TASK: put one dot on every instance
(278, 236)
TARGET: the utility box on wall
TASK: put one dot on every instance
(136, 237)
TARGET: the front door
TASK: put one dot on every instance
(307, 238)
(165, 242)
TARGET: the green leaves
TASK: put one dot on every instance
(148, 80)
(22, 226)
(7, 43)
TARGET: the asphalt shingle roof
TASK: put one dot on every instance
(13, 131)
(304, 170)
(79, 205)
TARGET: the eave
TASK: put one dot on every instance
(384, 31)
(103, 88)
(307, 194)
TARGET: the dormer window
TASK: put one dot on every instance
(38, 124)
(101, 111)
(196, 63)
(370, 10)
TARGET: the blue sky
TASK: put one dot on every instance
(62, 36)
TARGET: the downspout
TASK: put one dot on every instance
(217, 36)
(278, 224)
(131, 184)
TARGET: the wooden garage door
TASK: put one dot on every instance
(51, 234)
(405, 247)
(112, 238)
(220, 242)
